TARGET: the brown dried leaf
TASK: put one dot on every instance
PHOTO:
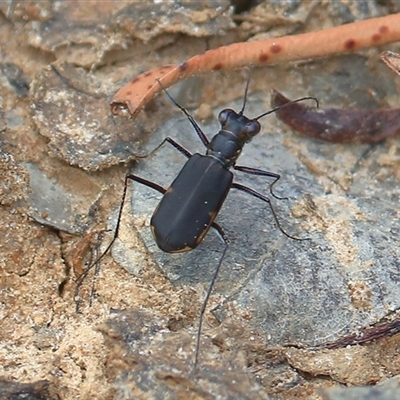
(338, 125)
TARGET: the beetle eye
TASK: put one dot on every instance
(224, 116)
(253, 127)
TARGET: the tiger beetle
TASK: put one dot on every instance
(190, 205)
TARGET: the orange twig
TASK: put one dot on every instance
(342, 39)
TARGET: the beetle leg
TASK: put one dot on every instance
(225, 239)
(172, 142)
(260, 172)
(135, 178)
(193, 122)
(267, 200)
(138, 179)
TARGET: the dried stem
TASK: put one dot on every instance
(342, 39)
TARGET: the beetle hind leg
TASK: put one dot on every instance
(95, 264)
(225, 239)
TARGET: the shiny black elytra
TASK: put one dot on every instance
(190, 205)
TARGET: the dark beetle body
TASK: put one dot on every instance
(190, 205)
(200, 190)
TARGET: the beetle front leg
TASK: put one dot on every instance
(173, 143)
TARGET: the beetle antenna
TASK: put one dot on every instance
(246, 90)
(287, 105)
